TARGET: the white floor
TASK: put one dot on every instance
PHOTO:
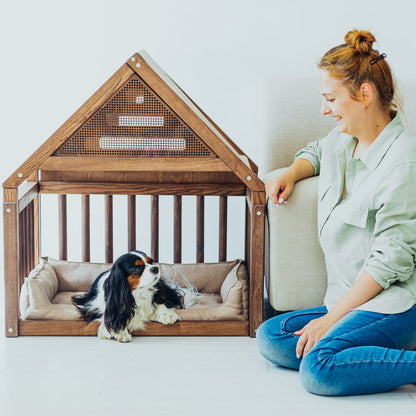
(165, 376)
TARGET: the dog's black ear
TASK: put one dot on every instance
(168, 296)
(120, 303)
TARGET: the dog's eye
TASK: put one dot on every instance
(139, 268)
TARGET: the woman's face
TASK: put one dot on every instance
(348, 113)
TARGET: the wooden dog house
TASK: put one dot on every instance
(139, 134)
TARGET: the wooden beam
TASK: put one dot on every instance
(86, 228)
(133, 164)
(116, 188)
(109, 228)
(131, 222)
(63, 227)
(200, 228)
(181, 328)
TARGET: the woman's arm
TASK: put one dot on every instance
(279, 189)
(364, 289)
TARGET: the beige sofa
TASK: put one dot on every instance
(290, 118)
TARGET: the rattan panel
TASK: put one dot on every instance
(135, 122)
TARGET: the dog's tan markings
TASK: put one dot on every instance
(148, 259)
(139, 262)
(133, 281)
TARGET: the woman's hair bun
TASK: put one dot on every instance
(361, 40)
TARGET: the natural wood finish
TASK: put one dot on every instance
(155, 177)
(155, 227)
(180, 104)
(200, 226)
(36, 228)
(69, 127)
(131, 227)
(256, 268)
(10, 195)
(109, 228)
(11, 268)
(222, 252)
(177, 229)
(134, 164)
(181, 328)
(86, 234)
(141, 188)
(63, 227)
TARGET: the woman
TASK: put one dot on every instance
(362, 340)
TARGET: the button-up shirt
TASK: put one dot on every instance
(373, 228)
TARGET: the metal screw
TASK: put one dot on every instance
(10, 330)
(249, 178)
(8, 210)
(258, 213)
(132, 59)
(20, 175)
(138, 65)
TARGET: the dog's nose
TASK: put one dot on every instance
(154, 269)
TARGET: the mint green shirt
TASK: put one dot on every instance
(373, 228)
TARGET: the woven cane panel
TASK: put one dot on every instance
(135, 122)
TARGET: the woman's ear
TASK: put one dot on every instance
(367, 93)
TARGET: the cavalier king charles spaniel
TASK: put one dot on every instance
(131, 293)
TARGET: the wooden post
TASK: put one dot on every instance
(155, 228)
(131, 222)
(177, 232)
(200, 224)
(86, 237)
(222, 255)
(109, 228)
(63, 226)
(11, 267)
(256, 263)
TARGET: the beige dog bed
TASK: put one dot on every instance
(47, 292)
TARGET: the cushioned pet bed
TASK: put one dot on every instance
(223, 288)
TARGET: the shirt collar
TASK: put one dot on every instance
(372, 157)
(375, 153)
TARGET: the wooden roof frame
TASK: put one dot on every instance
(232, 158)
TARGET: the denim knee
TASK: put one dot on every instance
(316, 374)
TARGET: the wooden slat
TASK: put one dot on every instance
(155, 227)
(141, 188)
(63, 227)
(136, 164)
(177, 229)
(11, 268)
(109, 228)
(86, 111)
(222, 255)
(36, 228)
(131, 222)
(200, 225)
(86, 228)
(181, 328)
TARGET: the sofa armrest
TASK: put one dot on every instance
(294, 264)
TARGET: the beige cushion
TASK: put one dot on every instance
(294, 263)
(47, 292)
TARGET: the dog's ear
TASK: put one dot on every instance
(120, 303)
(168, 296)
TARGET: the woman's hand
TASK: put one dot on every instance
(279, 189)
(310, 334)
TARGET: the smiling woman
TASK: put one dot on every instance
(367, 232)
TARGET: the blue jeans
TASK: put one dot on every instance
(365, 352)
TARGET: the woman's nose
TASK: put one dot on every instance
(325, 108)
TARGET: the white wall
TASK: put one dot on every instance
(56, 54)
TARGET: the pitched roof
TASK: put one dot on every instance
(141, 113)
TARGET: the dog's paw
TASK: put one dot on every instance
(123, 336)
(167, 316)
(103, 332)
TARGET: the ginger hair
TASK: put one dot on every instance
(350, 63)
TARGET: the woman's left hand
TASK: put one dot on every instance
(310, 334)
